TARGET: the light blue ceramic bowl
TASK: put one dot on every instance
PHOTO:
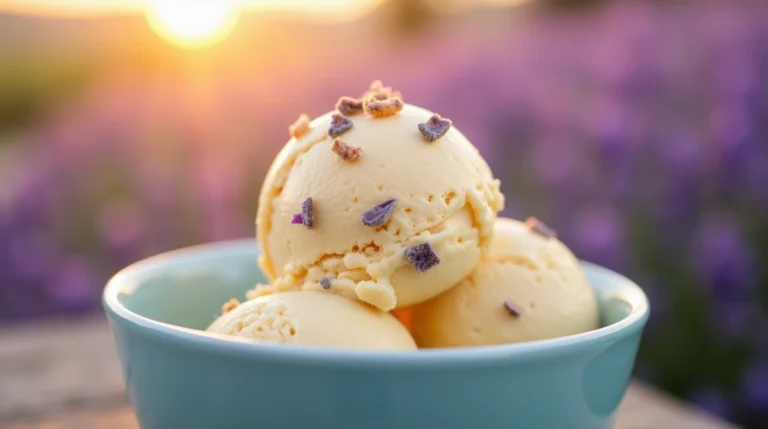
(180, 377)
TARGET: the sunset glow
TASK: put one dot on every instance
(193, 24)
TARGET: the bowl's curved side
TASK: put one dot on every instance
(171, 385)
(179, 377)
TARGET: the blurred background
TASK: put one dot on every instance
(638, 129)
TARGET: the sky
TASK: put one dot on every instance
(106, 7)
(204, 23)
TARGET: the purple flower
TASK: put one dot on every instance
(122, 223)
(736, 77)
(756, 177)
(74, 286)
(754, 385)
(614, 137)
(598, 234)
(711, 400)
(732, 135)
(731, 318)
(722, 259)
(680, 152)
(31, 254)
(555, 160)
(228, 225)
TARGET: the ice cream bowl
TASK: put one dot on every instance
(179, 376)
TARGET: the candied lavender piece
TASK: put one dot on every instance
(306, 217)
(345, 151)
(383, 108)
(380, 214)
(381, 101)
(325, 282)
(349, 106)
(540, 228)
(339, 125)
(300, 127)
(307, 213)
(435, 127)
(422, 257)
(512, 309)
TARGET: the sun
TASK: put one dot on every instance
(192, 23)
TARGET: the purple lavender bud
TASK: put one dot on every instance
(599, 235)
(380, 214)
(74, 286)
(731, 319)
(297, 219)
(711, 400)
(307, 214)
(755, 385)
(512, 309)
(339, 125)
(422, 257)
(723, 258)
(325, 283)
(435, 127)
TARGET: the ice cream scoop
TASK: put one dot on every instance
(528, 287)
(314, 319)
(387, 201)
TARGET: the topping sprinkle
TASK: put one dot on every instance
(307, 213)
(377, 91)
(435, 127)
(339, 125)
(380, 214)
(540, 228)
(300, 127)
(382, 108)
(422, 257)
(325, 283)
(306, 217)
(512, 309)
(349, 106)
(345, 151)
(229, 305)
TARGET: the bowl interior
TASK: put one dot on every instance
(187, 287)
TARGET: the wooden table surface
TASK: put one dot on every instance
(65, 375)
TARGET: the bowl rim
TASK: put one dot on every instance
(423, 358)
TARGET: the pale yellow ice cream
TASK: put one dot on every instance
(445, 196)
(314, 319)
(535, 274)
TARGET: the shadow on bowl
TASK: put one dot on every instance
(179, 376)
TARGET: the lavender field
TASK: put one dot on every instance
(638, 130)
